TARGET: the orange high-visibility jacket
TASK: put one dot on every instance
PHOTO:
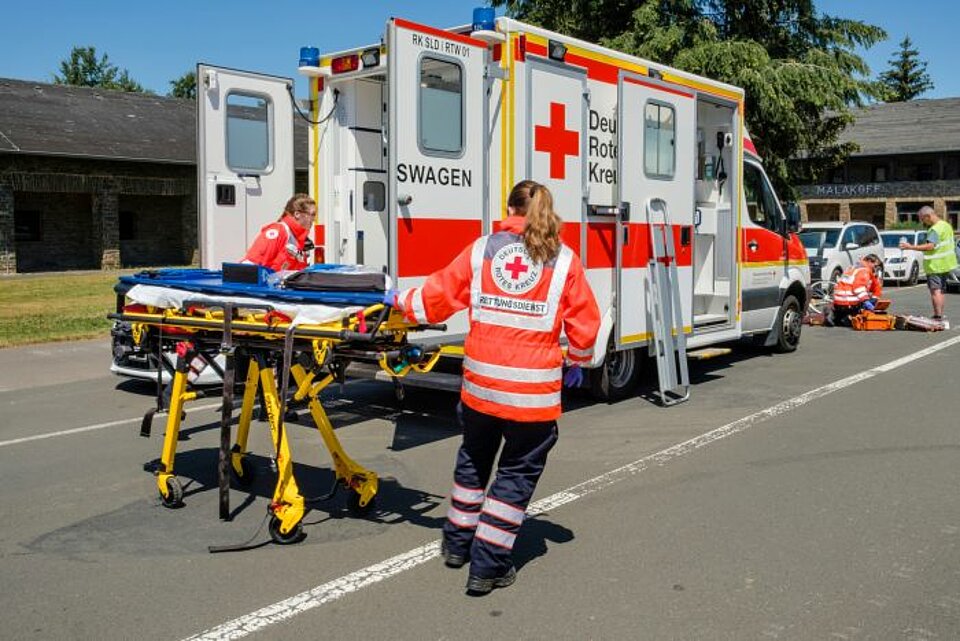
(279, 246)
(513, 365)
(855, 286)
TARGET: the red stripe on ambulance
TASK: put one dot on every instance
(425, 245)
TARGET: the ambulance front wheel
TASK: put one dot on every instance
(617, 378)
(789, 324)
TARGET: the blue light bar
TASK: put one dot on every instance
(309, 57)
(484, 19)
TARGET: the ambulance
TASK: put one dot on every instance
(415, 142)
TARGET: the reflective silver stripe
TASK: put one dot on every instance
(582, 353)
(496, 536)
(292, 248)
(503, 511)
(518, 321)
(419, 312)
(939, 254)
(515, 374)
(466, 495)
(511, 399)
(463, 519)
(857, 290)
(476, 264)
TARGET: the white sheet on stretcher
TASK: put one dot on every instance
(301, 313)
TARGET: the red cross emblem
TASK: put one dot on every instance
(516, 268)
(557, 140)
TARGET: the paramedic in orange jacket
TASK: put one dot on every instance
(284, 245)
(522, 286)
(857, 289)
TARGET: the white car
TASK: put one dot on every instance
(832, 247)
(903, 265)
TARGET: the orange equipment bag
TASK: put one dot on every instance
(870, 321)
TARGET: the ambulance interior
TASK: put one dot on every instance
(715, 228)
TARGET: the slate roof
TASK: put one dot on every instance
(917, 126)
(59, 120)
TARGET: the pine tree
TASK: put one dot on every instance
(907, 76)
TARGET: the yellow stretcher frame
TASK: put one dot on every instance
(237, 327)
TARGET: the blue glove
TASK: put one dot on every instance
(573, 377)
(869, 305)
(390, 297)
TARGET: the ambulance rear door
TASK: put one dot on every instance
(437, 149)
(657, 123)
(244, 158)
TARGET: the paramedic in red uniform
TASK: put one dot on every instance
(522, 286)
(857, 289)
(284, 245)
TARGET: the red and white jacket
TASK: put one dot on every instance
(513, 364)
(856, 285)
(279, 246)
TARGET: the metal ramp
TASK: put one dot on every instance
(670, 342)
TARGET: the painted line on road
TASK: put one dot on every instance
(355, 581)
(92, 428)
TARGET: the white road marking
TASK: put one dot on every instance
(333, 590)
(91, 428)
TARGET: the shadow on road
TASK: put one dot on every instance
(534, 536)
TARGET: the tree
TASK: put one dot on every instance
(84, 69)
(907, 76)
(799, 68)
(185, 86)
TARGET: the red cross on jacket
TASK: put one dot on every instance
(279, 246)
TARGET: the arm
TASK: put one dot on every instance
(445, 293)
(925, 247)
(581, 315)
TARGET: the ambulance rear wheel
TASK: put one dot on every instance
(617, 378)
(789, 324)
(174, 497)
(293, 536)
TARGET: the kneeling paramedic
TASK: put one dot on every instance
(522, 285)
(857, 289)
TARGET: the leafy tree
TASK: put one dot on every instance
(84, 69)
(185, 86)
(799, 67)
(907, 76)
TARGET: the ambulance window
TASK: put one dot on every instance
(248, 132)
(374, 196)
(659, 132)
(441, 107)
(761, 204)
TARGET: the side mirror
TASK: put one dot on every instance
(851, 246)
(793, 217)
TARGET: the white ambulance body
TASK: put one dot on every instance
(416, 142)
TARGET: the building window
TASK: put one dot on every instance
(953, 213)
(926, 171)
(441, 107)
(880, 174)
(27, 226)
(951, 168)
(127, 223)
(659, 134)
(248, 133)
(907, 212)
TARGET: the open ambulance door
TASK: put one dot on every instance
(437, 149)
(244, 158)
(657, 124)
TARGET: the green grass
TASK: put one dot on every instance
(59, 307)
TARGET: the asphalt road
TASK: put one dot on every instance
(803, 496)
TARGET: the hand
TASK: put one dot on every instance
(390, 297)
(904, 245)
(573, 377)
(869, 305)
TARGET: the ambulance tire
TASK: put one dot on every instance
(789, 324)
(617, 378)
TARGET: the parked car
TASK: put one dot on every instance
(903, 265)
(832, 247)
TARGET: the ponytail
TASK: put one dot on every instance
(541, 232)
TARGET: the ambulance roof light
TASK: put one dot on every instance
(484, 19)
(370, 57)
(556, 50)
(309, 57)
(345, 64)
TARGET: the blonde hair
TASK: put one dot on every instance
(298, 203)
(541, 232)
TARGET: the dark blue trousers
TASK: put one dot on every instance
(484, 525)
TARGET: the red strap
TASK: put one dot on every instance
(273, 316)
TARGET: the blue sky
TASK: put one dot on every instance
(159, 41)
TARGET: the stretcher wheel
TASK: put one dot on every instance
(247, 473)
(174, 497)
(354, 507)
(293, 536)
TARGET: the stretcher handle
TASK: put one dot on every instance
(187, 304)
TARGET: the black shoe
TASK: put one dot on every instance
(452, 560)
(478, 586)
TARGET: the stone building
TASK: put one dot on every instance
(97, 179)
(909, 157)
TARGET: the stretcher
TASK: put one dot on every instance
(309, 336)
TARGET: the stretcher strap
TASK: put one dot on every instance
(284, 382)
